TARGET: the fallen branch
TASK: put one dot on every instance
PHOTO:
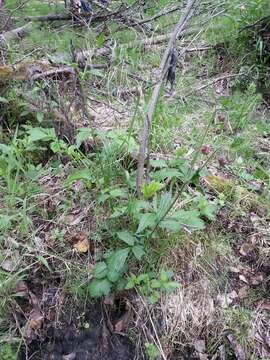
(83, 56)
(49, 17)
(15, 33)
(151, 109)
(54, 74)
(160, 14)
(200, 88)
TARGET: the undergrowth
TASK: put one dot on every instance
(199, 232)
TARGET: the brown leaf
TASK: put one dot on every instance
(119, 326)
(8, 265)
(243, 292)
(36, 319)
(21, 289)
(123, 322)
(82, 246)
(11, 261)
(199, 346)
(246, 249)
(243, 278)
(256, 279)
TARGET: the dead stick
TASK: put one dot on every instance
(151, 108)
(212, 82)
(160, 14)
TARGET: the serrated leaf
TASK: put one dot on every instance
(151, 189)
(167, 173)
(171, 225)
(138, 251)
(38, 134)
(116, 262)
(100, 270)
(127, 237)
(130, 284)
(146, 220)
(98, 288)
(190, 218)
(164, 204)
(159, 163)
(118, 193)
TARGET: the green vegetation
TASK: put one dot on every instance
(191, 253)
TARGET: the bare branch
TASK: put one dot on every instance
(151, 109)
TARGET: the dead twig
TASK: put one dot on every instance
(160, 14)
(200, 88)
(151, 109)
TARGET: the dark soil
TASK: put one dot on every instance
(72, 342)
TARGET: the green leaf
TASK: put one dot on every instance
(82, 135)
(84, 174)
(171, 225)
(118, 211)
(40, 116)
(206, 208)
(159, 163)
(138, 251)
(151, 189)
(164, 204)
(154, 297)
(165, 275)
(190, 218)
(127, 237)
(98, 288)
(116, 262)
(167, 173)
(171, 285)
(146, 220)
(155, 284)
(100, 270)
(3, 100)
(5, 221)
(100, 39)
(38, 134)
(57, 146)
(130, 284)
(44, 262)
(152, 351)
(118, 193)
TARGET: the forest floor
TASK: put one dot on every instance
(91, 270)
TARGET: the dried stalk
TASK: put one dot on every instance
(151, 109)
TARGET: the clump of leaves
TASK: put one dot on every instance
(151, 285)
